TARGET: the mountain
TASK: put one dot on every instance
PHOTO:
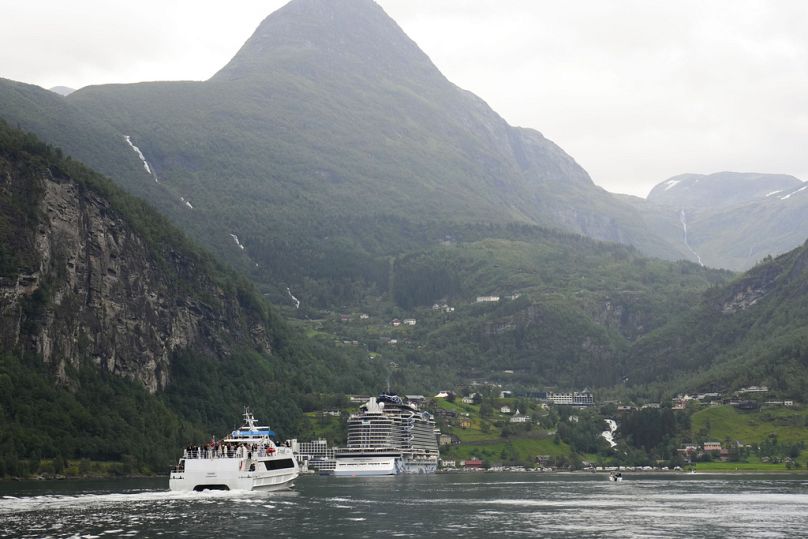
(751, 331)
(329, 132)
(561, 310)
(728, 219)
(62, 90)
(105, 305)
(720, 190)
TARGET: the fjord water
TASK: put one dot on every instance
(447, 505)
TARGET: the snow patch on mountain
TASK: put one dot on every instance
(773, 193)
(671, 183)
(791, 194)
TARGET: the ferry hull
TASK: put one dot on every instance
(230, 474)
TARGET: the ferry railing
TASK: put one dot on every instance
(233, 452)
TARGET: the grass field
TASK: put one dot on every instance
(725, 422)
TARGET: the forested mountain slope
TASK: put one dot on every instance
(111, 322)
(328, 125)
(752, 331)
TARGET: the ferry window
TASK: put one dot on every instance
(279, 464)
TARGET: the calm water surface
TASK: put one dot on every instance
(451, 505)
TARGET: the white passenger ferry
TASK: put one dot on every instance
(247, 459)
(388, 437)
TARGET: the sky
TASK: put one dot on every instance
(636, 91)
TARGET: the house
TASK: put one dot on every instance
(519, 418)
(465, 423)
(679, 402)
(712, 446)
(544, 460)
(487, 299)
(442, 395)
(395, 322)
(687, 450)
(505, 409)
(625, 408)
(653, 405)
(409, 321)
(448, 439)
(448, 463)
(415, 399)
(345, 317)
(473, 463)
(363, 316)
(745, 404)
(513, 296)
(505, 394)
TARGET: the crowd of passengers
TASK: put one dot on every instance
(228, 450)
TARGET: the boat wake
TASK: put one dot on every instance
(22, 504)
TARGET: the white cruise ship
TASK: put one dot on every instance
(388, 437)
(247, 459)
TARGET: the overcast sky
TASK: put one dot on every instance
(635, 90)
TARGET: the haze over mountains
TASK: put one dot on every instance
(335, 166)
(728, 219)
(330, 109)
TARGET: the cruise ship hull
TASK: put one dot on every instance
(370, 466)
(356, 466)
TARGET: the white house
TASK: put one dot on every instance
(487, 299)
(519, 418)
(505, 409)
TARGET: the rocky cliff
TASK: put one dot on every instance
(80, 279)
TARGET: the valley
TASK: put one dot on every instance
(329, 215)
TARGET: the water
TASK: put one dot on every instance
(450, 505)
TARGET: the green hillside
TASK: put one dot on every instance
(752, 331)
(76, 407)
(328, 138)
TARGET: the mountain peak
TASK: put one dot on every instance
(315, 35)
(721, 189)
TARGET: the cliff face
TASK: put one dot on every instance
(87, 285)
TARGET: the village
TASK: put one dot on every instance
(488, 428)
